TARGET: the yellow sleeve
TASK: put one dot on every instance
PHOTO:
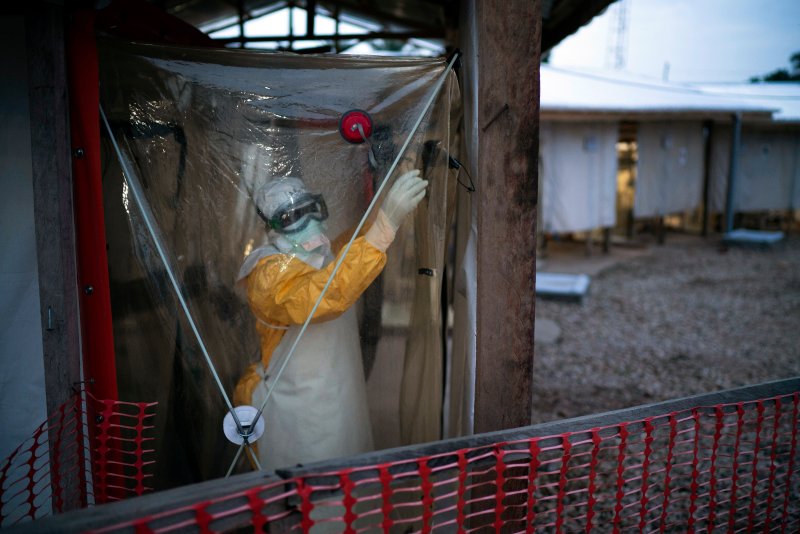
(282, 290)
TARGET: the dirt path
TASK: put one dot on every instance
(681, 320)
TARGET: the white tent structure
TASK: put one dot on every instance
(580, 116)
(768, 177)
(578, 169)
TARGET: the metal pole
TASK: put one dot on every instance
(708, 139)
(291, 25)
(733, 171)
(337, 43)
(240, 8)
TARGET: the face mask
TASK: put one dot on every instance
(311, 238)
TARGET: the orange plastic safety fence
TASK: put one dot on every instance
(728, 467)
(89, 451)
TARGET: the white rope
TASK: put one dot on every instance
(342, 256)
(253, 456)
(273, 326)
(370, 152)
(136, 189)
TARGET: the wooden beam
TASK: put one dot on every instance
(149, 505)
(240, 14)
(388, 16)
(584, 423)
(247, 16)
(420, 34)
(311, 10)
(53, 211)
(508, 37)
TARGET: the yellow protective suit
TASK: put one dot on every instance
(318, 408)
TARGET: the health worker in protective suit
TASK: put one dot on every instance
(318, 408)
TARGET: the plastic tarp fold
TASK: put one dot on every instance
(769, 169)
(201, 129)
(578, 162)
(670, 168)
(459, 409)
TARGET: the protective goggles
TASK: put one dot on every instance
(296, 214)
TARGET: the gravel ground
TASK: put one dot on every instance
(684, 319)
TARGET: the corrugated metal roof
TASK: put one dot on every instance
(428, 17)
(564, 90)
(784, 96)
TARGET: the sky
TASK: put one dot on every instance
(702, 40)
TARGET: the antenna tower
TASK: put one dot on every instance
(617, 49)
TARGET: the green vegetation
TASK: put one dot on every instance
(782, 75)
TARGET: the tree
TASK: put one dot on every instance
(782, 75)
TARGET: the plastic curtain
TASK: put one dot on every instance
(202, 129)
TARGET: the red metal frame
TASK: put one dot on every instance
(97, 338)
(99, 367)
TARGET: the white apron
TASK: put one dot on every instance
(318, 409)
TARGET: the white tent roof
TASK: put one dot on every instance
(585, 91)
(785, 96)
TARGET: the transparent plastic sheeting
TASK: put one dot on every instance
(202, 129)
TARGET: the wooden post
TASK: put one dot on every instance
(606, 240)
(508, 35)
(53, 211)
(52, 189)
